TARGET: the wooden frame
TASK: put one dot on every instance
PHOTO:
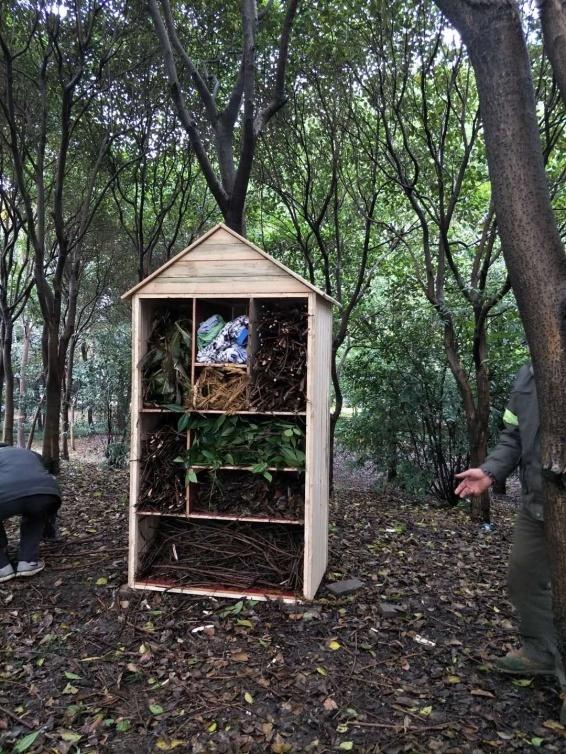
(223, 265)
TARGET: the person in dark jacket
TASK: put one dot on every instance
(529, 564)
(29, 491)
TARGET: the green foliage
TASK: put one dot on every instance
(117, 455)
(239, 441)
(164, 366)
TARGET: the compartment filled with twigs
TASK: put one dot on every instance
(225, 555)
(242, 493)
(279, 360)
(221, 389)
(162, 482)
(165, 367)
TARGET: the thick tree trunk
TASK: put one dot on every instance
(8, 428)
(531, 243)
(553, 21)
(22, 385)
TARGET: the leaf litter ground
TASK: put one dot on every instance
(401, 665)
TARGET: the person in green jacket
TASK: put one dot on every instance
(529, 565)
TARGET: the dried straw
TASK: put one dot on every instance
(221, 388)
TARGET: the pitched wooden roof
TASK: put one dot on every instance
(221, 230)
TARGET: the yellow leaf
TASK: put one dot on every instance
(425, 711)
(346, 745)
(334, 645)
(248, 697)
(453, 679)
(322, 671)
(212, 727)
(164, 745)
(342, 728)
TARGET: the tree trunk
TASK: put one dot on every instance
(34, 421)
(67, 398)
(553, 22)
(22, 384)
(1, 366)
(8, 429)
(531, 243)
(50, 447)
(72, 426)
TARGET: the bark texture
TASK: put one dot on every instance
(532, 247)
(553, 22)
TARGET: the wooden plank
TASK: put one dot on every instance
(141, 323)
(317, 444)
(221, 235)
(220, 252)
(237, 286)
(250, 594)
(224, 268)
(252, 519)
(217, 295)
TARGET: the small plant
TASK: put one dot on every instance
(117, 455)
(165, 366)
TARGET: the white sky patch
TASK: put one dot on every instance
(59, 10)
(451, 37)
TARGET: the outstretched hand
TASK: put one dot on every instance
(473, 482)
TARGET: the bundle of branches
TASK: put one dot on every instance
(162, 485)
(279, 367)
(221, 388)
(216, 554)
(244, 494)
(165, 366)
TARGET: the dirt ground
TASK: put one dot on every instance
(401, 665)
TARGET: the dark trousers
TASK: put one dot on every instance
(34, 510)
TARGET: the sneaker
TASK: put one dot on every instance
(518, 662)
(7, 572)
(27, 568)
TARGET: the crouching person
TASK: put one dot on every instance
(29, 491)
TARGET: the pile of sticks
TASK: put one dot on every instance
(221, 388)
(220, 554)
(279, 368)
(242, 493)
(162, 486)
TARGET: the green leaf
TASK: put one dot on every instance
(156, 709)
(102, 581)
(191, 477)
(522, 682)
(346, 745)
(72, 676)
(24, 743)
(122, 726)
(248, 697)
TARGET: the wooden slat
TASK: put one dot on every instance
(139, 533)
(218, 295)
(317, 444)
(251, 594)
(224, 268)
(233, 286)
(220, 251)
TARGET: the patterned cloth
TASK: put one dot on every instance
(209, 329)
(225, 348)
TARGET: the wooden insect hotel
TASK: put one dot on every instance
(230, 425)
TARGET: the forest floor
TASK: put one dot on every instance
(401, 665)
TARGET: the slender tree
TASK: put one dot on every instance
(236, 124)
(65, 59)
